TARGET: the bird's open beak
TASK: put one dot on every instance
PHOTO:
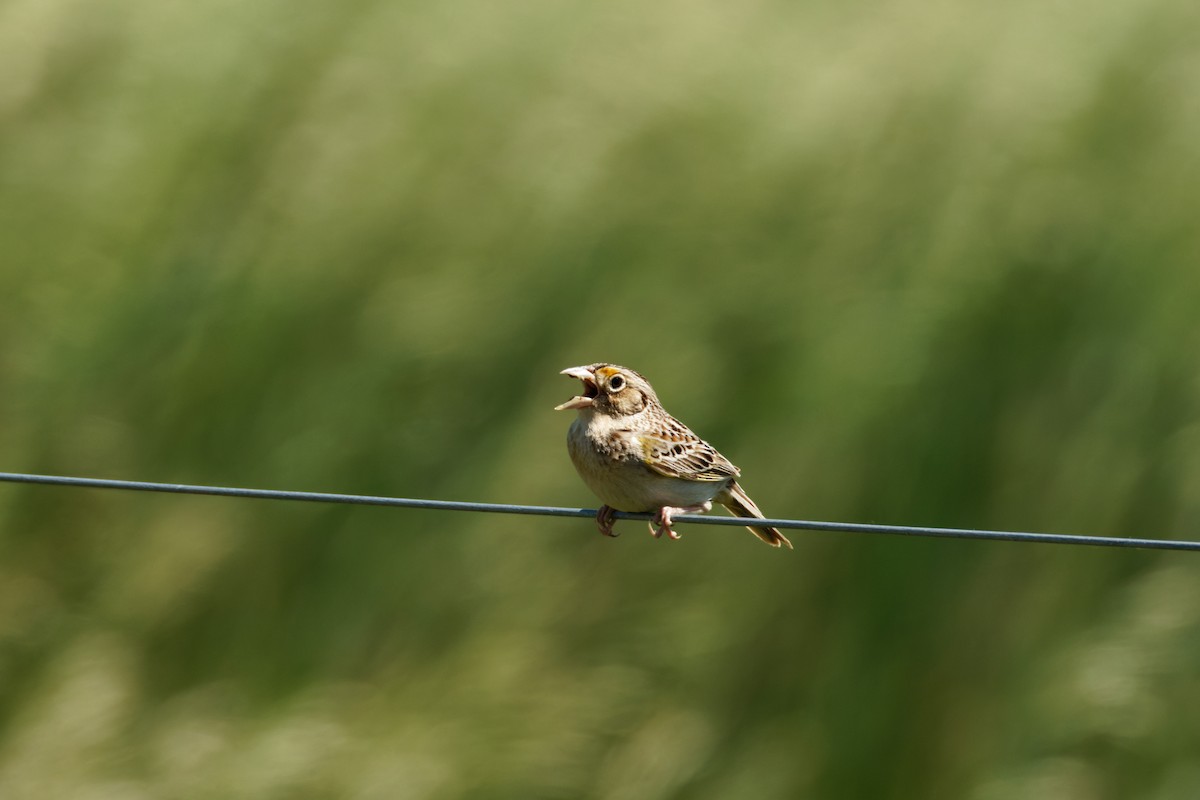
(589, 388)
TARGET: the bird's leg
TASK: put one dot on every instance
(605, 521)
(662, 520)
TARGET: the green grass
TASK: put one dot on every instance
(907, 263)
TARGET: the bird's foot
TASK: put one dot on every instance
(605, 521)
(662, 522)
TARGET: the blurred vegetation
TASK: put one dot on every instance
(909, 262)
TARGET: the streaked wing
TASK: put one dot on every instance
(676, 452)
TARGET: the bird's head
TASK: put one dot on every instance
(610, 390)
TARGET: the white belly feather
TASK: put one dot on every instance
(622, 481)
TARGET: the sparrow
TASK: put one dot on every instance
(638, 458)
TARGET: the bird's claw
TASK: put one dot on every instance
(662, 524)
(605, 521)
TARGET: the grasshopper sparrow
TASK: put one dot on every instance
(637, 457)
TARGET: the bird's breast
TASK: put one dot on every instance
(610, 463)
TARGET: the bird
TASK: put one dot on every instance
(636, 457)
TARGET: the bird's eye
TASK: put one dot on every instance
(616, 383)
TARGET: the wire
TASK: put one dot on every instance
(557, 511)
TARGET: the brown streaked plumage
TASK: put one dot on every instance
(637, 457)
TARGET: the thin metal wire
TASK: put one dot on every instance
(558, 511)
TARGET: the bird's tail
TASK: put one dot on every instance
(737, 501)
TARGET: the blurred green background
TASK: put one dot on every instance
(910, 262)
